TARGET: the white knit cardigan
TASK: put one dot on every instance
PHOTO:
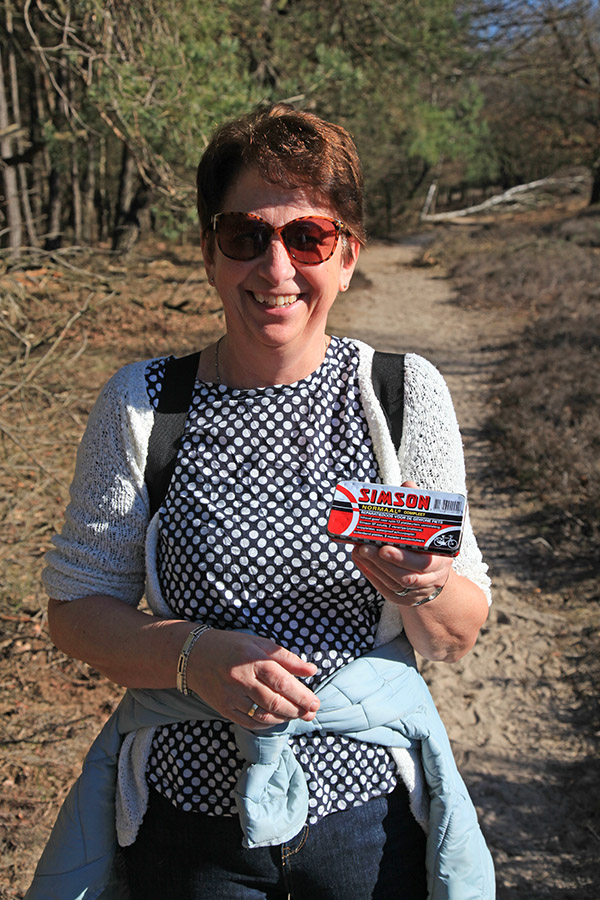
(108, 546)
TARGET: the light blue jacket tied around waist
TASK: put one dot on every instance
(379, 698)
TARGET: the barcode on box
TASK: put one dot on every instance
(448, 505)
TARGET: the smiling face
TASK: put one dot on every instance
(272, 303)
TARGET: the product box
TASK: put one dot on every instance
(429, 521)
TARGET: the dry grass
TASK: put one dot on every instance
(545, 397)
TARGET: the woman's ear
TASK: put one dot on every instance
(350, 253)
(207, 243)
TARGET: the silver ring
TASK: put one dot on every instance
(403, 593)
(252, 710)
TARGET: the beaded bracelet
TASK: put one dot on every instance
(185, 655)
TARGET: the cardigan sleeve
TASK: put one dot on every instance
(100, 549)
(431, 453)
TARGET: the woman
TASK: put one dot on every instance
(280, 413)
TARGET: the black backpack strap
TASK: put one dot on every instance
(169, 421)
(176, 395)
(387, 374)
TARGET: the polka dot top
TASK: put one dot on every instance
(243, 544)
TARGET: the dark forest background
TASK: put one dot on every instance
(105, 107)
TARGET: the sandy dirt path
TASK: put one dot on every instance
(509, 706)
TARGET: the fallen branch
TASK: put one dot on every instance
(507, 197)
(5, 617)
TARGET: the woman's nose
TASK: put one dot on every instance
(276, 264)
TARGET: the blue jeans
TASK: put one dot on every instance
(375, 851)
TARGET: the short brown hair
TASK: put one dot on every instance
(290, 148)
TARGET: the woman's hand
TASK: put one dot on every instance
(447, 627)
(232, 670)
(393, 570)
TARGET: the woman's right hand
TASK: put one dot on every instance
(232, 670)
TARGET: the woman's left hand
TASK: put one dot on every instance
(444, 629)
(393, 570)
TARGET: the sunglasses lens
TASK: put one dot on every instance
(242, 237)
(311, 240)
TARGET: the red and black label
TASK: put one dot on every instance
(430, 521)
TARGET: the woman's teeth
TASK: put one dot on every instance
(279, 300)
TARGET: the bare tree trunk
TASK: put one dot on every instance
(11, 189)
(22, 170)
(75, 174)
(102, 197)
(265, 73)
(89, 190)
(126, 227)
(595, 195)
(76, 195)
(54, 234)
(59, 112)
(126, 186)
(41, 161)
(129, 231)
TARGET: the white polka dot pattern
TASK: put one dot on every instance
(244, 545)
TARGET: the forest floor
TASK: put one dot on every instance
(517, 708)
